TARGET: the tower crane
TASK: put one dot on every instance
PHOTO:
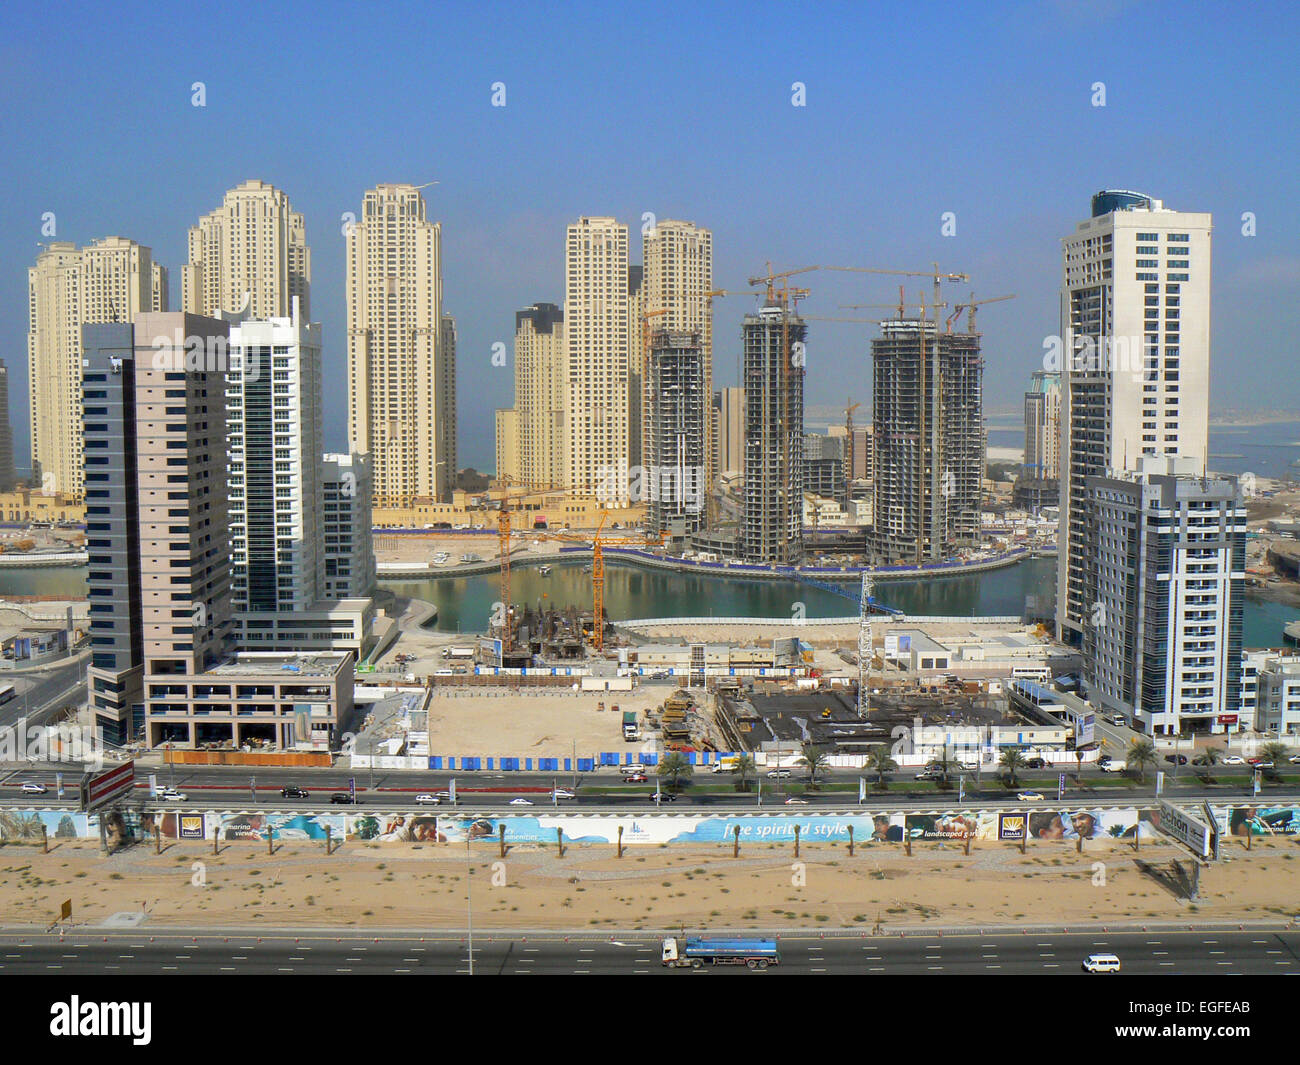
(867, 606)
(503, 547)
(598, 540)
(970, 306)
(786, 297)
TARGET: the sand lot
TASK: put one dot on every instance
(412, 885)
(528, 722)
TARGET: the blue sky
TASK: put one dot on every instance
(913, 110)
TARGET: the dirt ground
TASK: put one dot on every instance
(529, 722)
(415, 885)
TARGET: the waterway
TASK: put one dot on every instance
(465, 603)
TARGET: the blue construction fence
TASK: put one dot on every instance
(605, 759)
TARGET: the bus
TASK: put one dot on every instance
(7, 693)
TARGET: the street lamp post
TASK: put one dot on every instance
(469, 902)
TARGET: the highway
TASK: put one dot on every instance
(43, 690)
(157, 951)
(223, 787)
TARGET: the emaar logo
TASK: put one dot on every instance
(77, 1018)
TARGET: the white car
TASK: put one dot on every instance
(1029, 796)
(792, 801)
(520, 802)
(427, 800)
(34, 788)
(779, 773)
(561, 793)
(1294, 759)
(1234, 759)
(172, 795)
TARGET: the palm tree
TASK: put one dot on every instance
(878, 759)
(744, 766)
(943, 762)
(815, 759)
(1141, 753)
(1012, 761)
(1275, 754)
(1208, 759)
(674, 765)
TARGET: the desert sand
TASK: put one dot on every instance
(424, 886)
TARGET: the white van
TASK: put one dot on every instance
(1101, 963)
(1112, 766)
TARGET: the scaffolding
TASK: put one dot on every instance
(773, 530)
(927, 411)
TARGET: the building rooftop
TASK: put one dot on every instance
(288, 664)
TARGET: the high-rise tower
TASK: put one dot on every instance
(401, 374)
(1135, 358)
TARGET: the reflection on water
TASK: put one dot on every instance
(464, 604)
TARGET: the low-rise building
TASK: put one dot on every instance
(283, 700)
(1277, 708)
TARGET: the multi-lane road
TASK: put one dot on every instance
(43, 690)
(175, 951)
(219, 787)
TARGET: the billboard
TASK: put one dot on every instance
(489, 651)
(951, 826)
(1085, 823)
(1261, 821)
(107, 786)
(1186, 828)
(1012, 827)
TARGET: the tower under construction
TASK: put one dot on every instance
(927, 417)
(773, 343)
(677, 436)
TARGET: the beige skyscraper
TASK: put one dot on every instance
(637, 361)
(253, 243)
(541, 392)
(507, 427)
(596, 342)
(678, 264)
(111, 280)
(401, 368)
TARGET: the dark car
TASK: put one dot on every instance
(1035, 763)
(342, 798)
(292, 792)
(666, 796)
(1176, 759)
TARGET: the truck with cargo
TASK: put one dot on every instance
(458, 653)
(696, 952)
(630, 730)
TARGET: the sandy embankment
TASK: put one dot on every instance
(400, 885)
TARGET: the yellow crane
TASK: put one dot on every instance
(598, 540)
(848, 448)
(970, 306)
(503, 546)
